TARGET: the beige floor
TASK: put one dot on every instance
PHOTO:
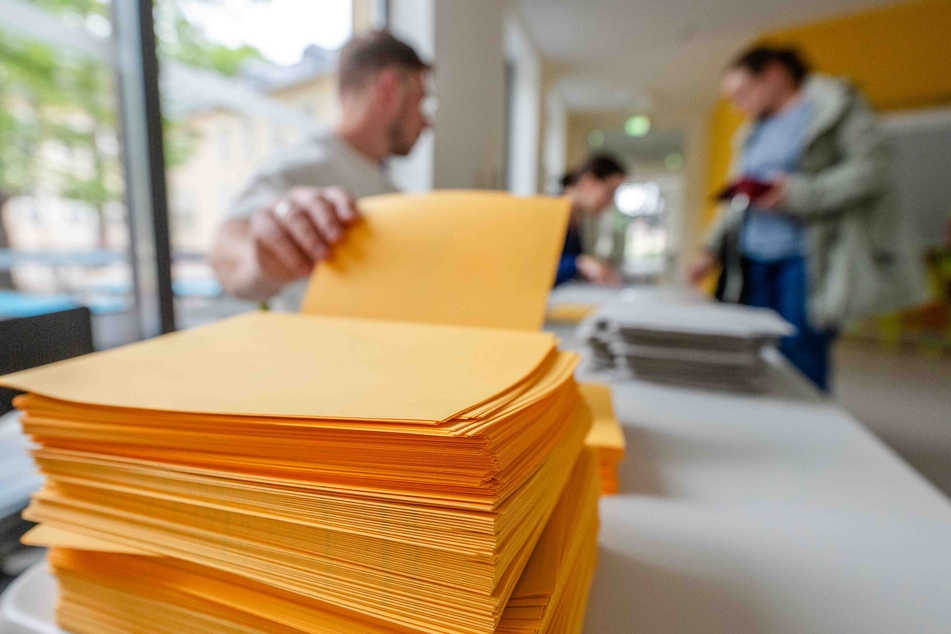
(905, 398)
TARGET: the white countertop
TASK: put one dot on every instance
(766, 513)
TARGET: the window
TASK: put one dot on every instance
(248, 130)
(223, 140)
(249, 75)
(65, 234)
(278, 138)
(645, 207)
(228, 69)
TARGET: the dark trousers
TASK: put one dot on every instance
(782, 286)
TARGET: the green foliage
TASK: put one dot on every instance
(180, 142)
(28, 79)
(51, 98)
(181, 40)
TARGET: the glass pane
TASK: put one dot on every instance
(241, 80)
(64, 234)
(643, 208)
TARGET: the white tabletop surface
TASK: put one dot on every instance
(18, 475)
(767, 513)
(772, 513)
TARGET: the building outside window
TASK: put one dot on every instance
(223, 83)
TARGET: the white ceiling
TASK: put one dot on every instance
(644, 54)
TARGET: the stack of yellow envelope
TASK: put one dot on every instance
(606, 435)
(396, 475)
(118, 591)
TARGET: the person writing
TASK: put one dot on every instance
(816, 234)
(300, 203)
(591, 189)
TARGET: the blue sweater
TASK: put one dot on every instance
(775, 145)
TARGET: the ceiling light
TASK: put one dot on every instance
(637, 126)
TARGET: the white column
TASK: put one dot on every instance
(555, 149)
(525, 130)
(464, 39)
(368, 14)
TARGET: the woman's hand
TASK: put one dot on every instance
(598, 271)
(702, 266)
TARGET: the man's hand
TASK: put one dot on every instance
(300, 230)
(254, 257)
(776, 196)
(598, 271)
(702, 267)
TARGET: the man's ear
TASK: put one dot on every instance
(387, 86)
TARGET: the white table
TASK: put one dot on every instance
(777, 513)
(18, 475)
(28, 605)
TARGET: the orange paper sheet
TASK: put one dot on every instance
(606, 434)
(282, 365)
(451, 257)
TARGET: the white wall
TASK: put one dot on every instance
(921, 145)
(470, 84)
(414, 22)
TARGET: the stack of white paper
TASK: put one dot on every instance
(699, 344)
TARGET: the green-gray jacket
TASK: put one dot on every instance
(861, 257)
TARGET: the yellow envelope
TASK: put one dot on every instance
(452, 257)
(568, 313)
(282, 365)
(606, 435)
(52, 537)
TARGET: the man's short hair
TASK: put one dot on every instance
(365, 56)
(756, 59)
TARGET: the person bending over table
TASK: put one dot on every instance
(591, 189)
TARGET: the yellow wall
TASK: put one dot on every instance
(900, 56)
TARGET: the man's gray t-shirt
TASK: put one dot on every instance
(320, 160)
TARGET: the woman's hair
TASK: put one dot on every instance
(601, 166)
(756, 59)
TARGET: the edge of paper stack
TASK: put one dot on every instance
(289, 473)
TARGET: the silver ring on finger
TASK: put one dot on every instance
(283, 208)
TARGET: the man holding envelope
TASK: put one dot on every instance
(811, 228)
(300, 203)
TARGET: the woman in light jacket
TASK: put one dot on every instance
(826, 242)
